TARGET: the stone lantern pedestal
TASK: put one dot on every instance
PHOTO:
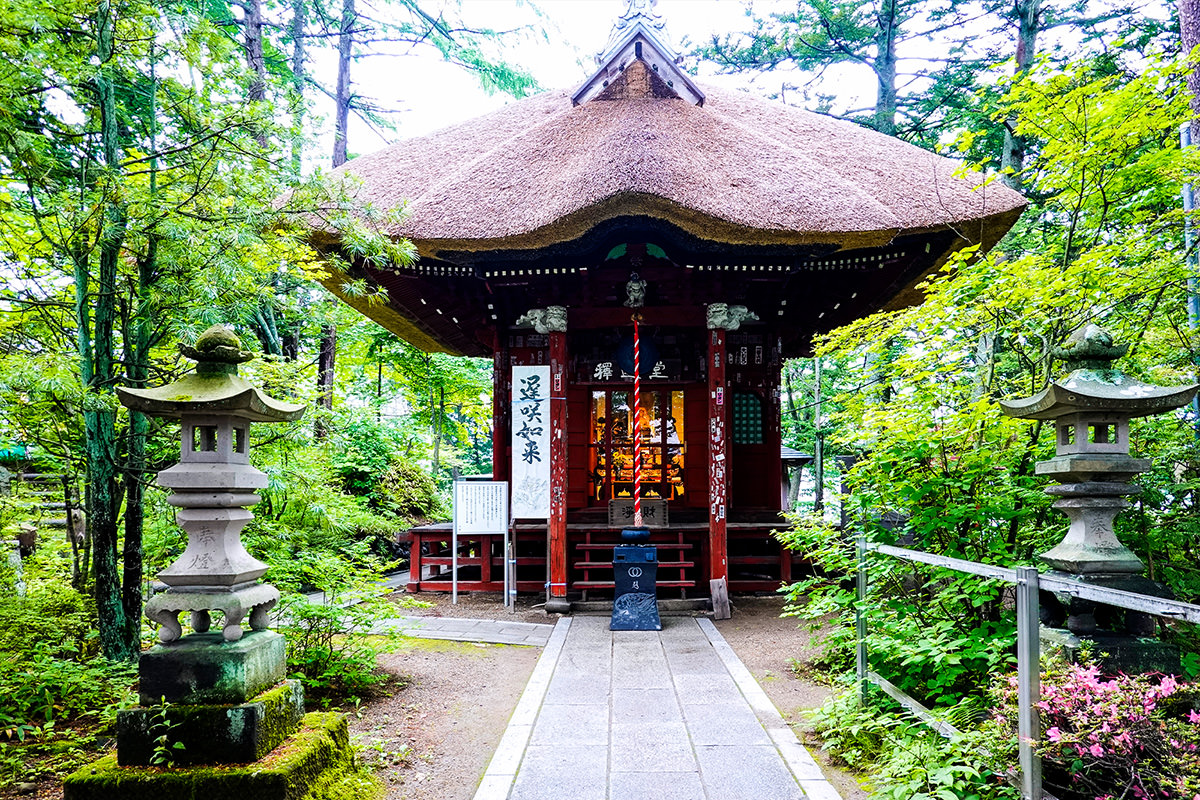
(1090, 410)
(215, 700)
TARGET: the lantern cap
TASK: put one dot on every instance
(1093, 386)
(214, 388)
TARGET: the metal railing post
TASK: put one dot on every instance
(860, 617)
(1029, 690)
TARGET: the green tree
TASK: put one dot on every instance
(135, 197)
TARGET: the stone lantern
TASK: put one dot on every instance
(1090, 410)
(213, 484)
(208, 698)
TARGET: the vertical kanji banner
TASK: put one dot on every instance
(531, 442)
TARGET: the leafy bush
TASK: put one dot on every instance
(906, 760)
(332, 641)
(936, 634)
(51, 671)
(408, 491)
(50, 615)
(1124, 737)
(40, 688)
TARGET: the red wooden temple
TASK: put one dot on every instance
(744, 228)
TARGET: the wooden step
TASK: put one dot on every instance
(659, 545)
(610, 584)
(661, 564)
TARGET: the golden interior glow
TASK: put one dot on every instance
(610, 456)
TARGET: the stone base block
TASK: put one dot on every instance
(233, 734)
(315, 763)
(1117, 653)
(204, 669)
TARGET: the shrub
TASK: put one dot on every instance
(408, 491)
(333, 641)
(937, 634)
(1122, 737)
(906, 760)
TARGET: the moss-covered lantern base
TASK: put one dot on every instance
(315, 763)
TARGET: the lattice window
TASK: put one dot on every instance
(747, 418)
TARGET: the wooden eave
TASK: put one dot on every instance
(460, 306)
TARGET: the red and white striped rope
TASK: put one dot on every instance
(637, 431)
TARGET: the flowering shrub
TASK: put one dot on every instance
(1124, 737)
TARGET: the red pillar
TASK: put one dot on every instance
(501, 391)
(718, 458)
(557, 532)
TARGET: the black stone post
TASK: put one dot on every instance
(635, 574)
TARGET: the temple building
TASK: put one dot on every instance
(736, 228)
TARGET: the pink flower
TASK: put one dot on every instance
(1096, 750)
(1193, 718)
(1053, 734)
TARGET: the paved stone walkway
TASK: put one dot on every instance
(670, 715)
(469, 630)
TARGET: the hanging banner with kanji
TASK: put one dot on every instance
(531, 442)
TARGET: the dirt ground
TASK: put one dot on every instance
(432, 739)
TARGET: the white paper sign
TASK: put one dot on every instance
(531, 442)
(480, 507)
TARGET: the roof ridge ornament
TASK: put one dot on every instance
(640, 34)
(637, 11)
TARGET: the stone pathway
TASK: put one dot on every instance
(670, 715)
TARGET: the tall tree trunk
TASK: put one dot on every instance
(100, 420)
(818, 446)
(437, 431)
(793, 412)
(1189, 29)
(266, 329)
(299, 19)
(795, 478)
(83, 345)
(138, 338)
(885, 67)
(342, 100)
(255, 60)
(326, 361)
(137, 371)
(290, 341)
(1012, 159)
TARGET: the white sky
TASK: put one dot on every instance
(431, 94)
(428, 94)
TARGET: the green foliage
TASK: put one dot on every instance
(939, 468)
(369, 455)
(408, 491)
(936, 634)
(906, 760)
(161, 728)
(55, 681)
(332, 641)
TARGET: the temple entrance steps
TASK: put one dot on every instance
(647, 714)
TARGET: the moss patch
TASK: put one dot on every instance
(316, 763)
(213, 734)
(473, 649)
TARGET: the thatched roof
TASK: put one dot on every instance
(738, 170)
